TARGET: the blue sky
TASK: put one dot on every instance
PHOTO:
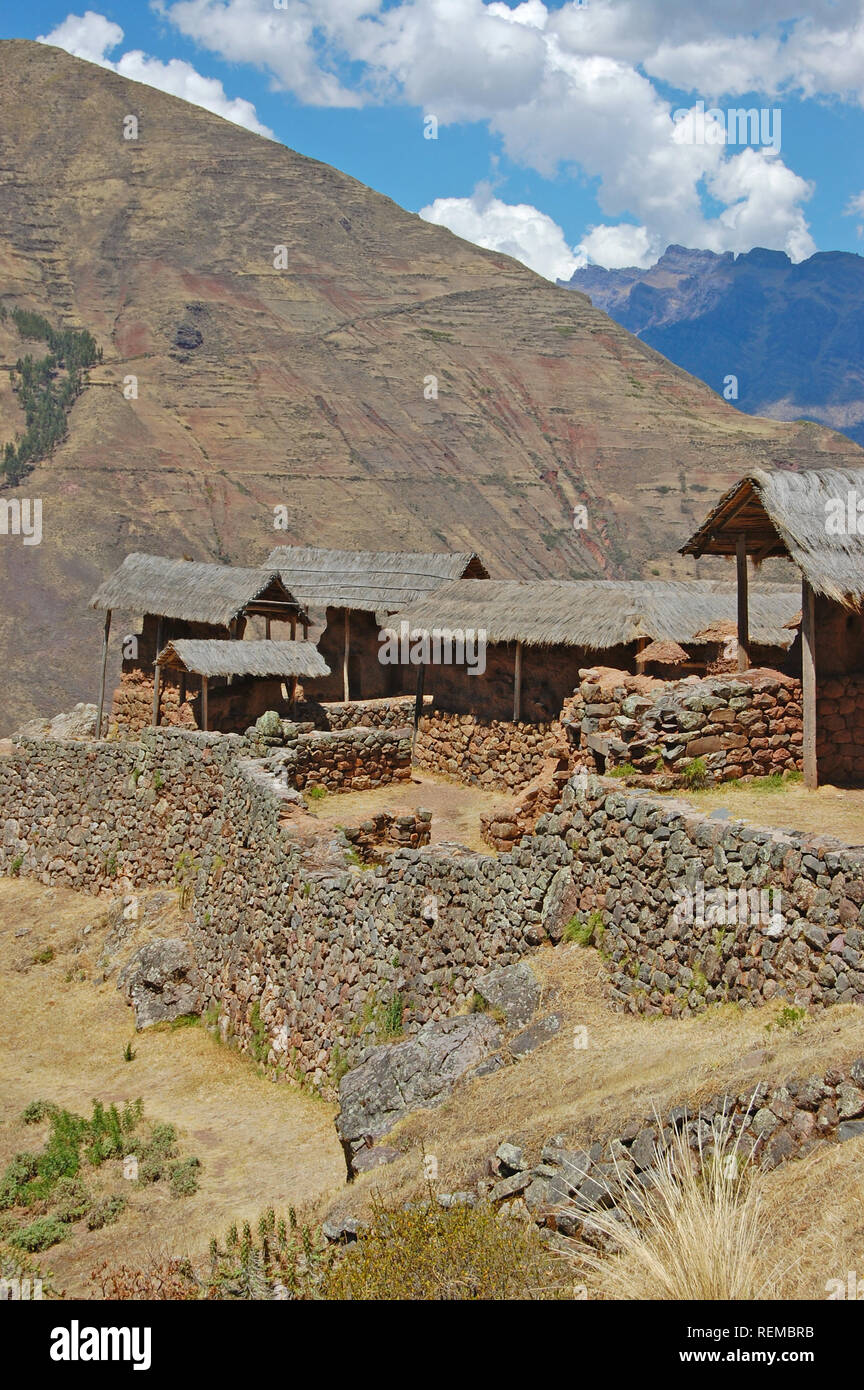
(568, 132)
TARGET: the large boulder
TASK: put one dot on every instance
(512, 991)
(79, 722)
(560, 904)
(160, 982)
(416, 1074)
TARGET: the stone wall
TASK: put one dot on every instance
(840, 729)
(395, 712)
(490, 753)
(767, 1125)
(301, 952)
(348, 759)
(389, 829)
(132, 704)
(747, 725)
(657, 877)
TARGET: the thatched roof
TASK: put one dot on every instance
(368, 580)
(596, 614)
(664, 653)
(800, 515)
(203, 657)
(193, 592)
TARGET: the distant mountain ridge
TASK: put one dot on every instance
(792, 334)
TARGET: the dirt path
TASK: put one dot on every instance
(62, 1039)
(455, 808)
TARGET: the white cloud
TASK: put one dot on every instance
(93, 37)
(763, 199)
(88, 36)
(517, 229)
(567, 88)
(620, 245)
(855, 208)
(282, 41)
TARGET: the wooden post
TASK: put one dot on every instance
(418, 703)
(743, 606)
(101, 706)
(641, 644)
(808, 685)
(517, 684)
(267, 628)
(157, 674)
(293, 627)
(181, 699)
(345, 650)
(204, 720)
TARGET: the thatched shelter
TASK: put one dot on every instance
(810, 517)
(815, 518)
(188, 599)
(188, 591)
(259, 661)
(352, 586)
(571, 622)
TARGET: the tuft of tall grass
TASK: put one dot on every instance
(699, 1232)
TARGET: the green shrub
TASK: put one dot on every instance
(426, 1252)
(155, 1155)
(278, 1257)
(37, 1111)
(695, 774)
(105, 1212)
(789, 1017)
(260, 1039)
(339, 1064)
(39, 1235)
(623, 770)
(577, 931)
(183, 1177)
(18, 1174)
(71, 1199)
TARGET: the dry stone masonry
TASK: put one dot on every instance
(301, 953)
(694, 909)
(490, 753)
(769, 1124)
(308, 958)
(747, 725)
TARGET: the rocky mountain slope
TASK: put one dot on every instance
(792, 335)
(273, 335)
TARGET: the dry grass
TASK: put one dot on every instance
(829, 810)
(699, 1233)
(455, 808)
(62, 1039)
(630, 1067)
(815, 1209)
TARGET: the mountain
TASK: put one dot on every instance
(792, 335)
(309, 387)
